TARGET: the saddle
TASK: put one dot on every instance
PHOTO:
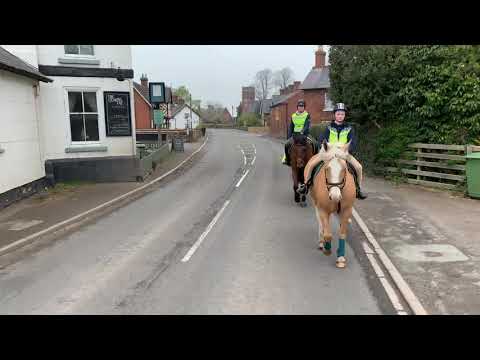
(315, 165)
(314, 144)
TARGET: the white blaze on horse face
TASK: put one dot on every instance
(335, 176)
(335, 194)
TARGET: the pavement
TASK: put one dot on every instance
(224, 236)
(433, 238)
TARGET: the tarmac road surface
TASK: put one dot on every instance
(211, 241)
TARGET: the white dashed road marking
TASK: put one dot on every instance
(205, 233)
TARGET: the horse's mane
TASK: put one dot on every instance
(300, 139)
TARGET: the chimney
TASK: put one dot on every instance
(144, 81)
(296, 85)
(290, 88)
(282, 91)
(320, 58)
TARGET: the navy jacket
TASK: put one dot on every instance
(351, 135)
(306, 127)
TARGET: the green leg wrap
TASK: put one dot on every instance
(341, 247)
(328, 245)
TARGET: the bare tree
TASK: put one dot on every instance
(283, 78)
(263, 84)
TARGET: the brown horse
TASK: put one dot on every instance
(301, 152)
(333, 191)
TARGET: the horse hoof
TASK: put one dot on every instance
(341, 262)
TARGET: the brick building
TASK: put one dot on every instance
(145, 126)
(227, 117)
(248, 103)
(283, 106)
(143, 108)
(314, 90)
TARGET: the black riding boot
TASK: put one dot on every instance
(360, 195)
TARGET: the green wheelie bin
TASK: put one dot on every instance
(473, 174)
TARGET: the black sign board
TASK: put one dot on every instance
(156, 91)
(117, 113)
(178, 143)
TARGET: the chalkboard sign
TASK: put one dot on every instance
(178, 143)
(117, 113)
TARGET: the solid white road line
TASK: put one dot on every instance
(205, 233)
(402, 285)
(367, 248)
(63, 224)
(244, 157)
(376, 267)
(253, 161)
(392, 295)
(243, 177)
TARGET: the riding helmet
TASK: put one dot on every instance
(301, 103)
(339, 107)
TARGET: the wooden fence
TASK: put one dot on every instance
(435, 165)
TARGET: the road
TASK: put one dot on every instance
(256, 254)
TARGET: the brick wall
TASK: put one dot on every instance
(142, 113)
(277, 121)
(315, 100)
(315, 103)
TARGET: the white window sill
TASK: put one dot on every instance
(78, 60)
(86, 148)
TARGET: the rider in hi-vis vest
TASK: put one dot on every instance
(300, 123)
(341, 132)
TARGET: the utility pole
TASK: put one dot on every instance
(191, 119)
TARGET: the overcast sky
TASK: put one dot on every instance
(216, 73)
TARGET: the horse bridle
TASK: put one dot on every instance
(340, 184)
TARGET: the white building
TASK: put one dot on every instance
(87, 121)
(184, 117)
(22, 170)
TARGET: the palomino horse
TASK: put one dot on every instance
(333, 191)
(300, 153)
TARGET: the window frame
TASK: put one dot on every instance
(98, 113)
(86, 56)
(328, 101)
